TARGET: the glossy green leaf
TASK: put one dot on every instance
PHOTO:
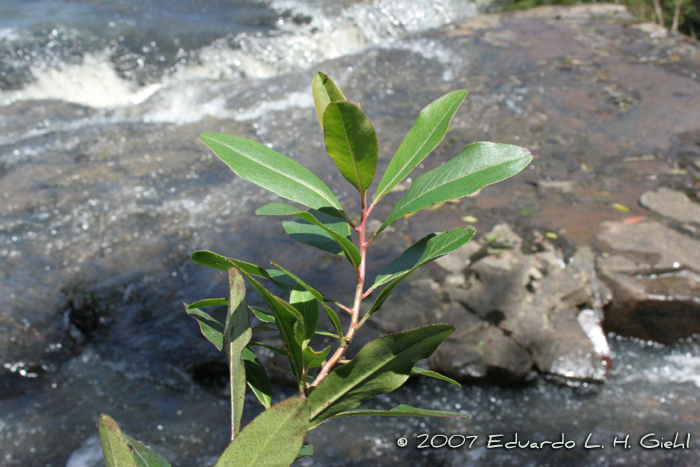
(256, 377)
(143, 455)
(211, 328)
(434, 374)
(325, 91)
(116, 450)
(264, 328)
(313, 359)
(381, 366)
(222, 263)
(478, 165)
(237, 334)
(271, 170)
(351, 142)
(306, 304)
(426, 249)
(315, 236)
(282, 209)
(273, 438)
(306, 450)
(427, 132)
(402, 411)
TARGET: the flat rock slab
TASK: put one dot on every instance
(672, 204)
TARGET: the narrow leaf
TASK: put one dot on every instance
(351, 142)
(325, 91)
(210, 327)
(330, 313)
(285, 318)
(237, 334)
(256, 377)
(273, 438)
(426, 249)
(210, 302)
(116, 450)
(427, 132)
(478, 165)
(381, 366)
(262, 315)
(222, 263)
(271, 170)
(402, 411)
(306, 304)
(317, 237)
(282, 209)
(143, 455)
(434, 374)
(306, 450)
(313, 359)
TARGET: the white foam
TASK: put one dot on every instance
(93, 83)
(87, 455)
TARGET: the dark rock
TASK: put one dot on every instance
(517, 312)
(655, 281)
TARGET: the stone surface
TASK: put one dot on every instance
(672, 204)
(654, 276)
(512, 311)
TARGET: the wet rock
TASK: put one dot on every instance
(654, 275)
(672, 204)
(512, 312)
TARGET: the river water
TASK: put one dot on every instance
(106, 190)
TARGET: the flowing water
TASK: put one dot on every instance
(105, 190)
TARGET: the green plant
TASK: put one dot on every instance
(328, 385)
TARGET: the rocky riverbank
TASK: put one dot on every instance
(102, 207)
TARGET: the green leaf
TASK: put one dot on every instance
(222, 263)
(262, 315)
(210, 302)
(264, 328)
(282, 209)
(351, 142)
(478, 165)
(426, 249)
(325, 91)
(256, 377)
(313, 359)
(381, 366)
(330, 313)
(237, 334)
(285, 317)
(116, 450)
(306, 450)
(306, 304)
(434, 374)
(143, 455)
(427, 132)
(211, 328)
(317, 237)
(271, 170)
(273, 438)
(402, 411)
